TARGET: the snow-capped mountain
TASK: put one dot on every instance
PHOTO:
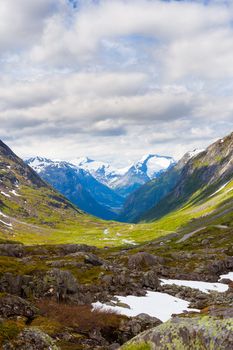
(101, 171)
(147, 168)
(97, 187)
(79, 186)
(194, 153)
(151, 165)
(126, 180)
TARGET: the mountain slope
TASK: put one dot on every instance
(79, 186)
(25, 197)
(125, 181)
(32, 212)
(147, 168)
(149, 194)
(204, 175)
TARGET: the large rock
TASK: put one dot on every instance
(56, 282)
(93, 259)
(12, 305)
(21, 285)
(143, 259)
(189, 334)
(61, 283)
(14, 250)
(151, 280)
(140, 323)
(31, 339)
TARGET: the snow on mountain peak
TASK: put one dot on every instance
(147, 168)
(151, 164)
(38, 163)
(194, 153)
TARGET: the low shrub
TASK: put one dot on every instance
(81, 318)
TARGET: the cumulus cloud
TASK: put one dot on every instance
(110, 77)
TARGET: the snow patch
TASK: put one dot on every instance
(5, 216)
(5, 194)
(194, 153)
(155, 304)
(202, 286)
(228, 275)
(128, 241)
(220, 189)
(6, 224)
(15, 193)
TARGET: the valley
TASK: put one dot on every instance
(108, 279)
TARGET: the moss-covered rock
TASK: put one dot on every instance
(31, 339)
(12, 305)
(198, 333)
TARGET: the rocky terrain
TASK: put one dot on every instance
(47, 292)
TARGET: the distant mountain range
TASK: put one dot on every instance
(96, 187)
(147, 190)
(79, 186)
(126, 180)
(195, 192)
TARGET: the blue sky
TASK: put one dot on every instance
(115, 79)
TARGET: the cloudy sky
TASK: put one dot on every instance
(115, 79)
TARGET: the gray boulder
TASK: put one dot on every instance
(143, 259)
(12, 305)
(198, 333)
(31, 339)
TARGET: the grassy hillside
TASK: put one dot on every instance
(33, 213)
(202, 175)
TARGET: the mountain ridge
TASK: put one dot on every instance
(79, 186)
(210, 169)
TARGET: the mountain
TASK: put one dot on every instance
(103, 172)
(26, 200)
(149, 194)
(79, 186)
(126, 180)
(149, 167)
(96, 187)
(204, 178)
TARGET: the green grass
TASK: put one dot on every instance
(64, 225)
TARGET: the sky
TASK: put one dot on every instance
(115, 79)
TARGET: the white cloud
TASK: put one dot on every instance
(114, 77)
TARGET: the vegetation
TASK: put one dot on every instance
(139, 346)
(82, 319)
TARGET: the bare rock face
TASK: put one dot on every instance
(189, 334)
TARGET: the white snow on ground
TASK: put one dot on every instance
(155, 304)
(194, 153)
(5, 223)
(202, 286)
(220, 189)
(106, 231)
(228, 275)
(5, 194)
(15, 193)
(1, 214)
(128, 241)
